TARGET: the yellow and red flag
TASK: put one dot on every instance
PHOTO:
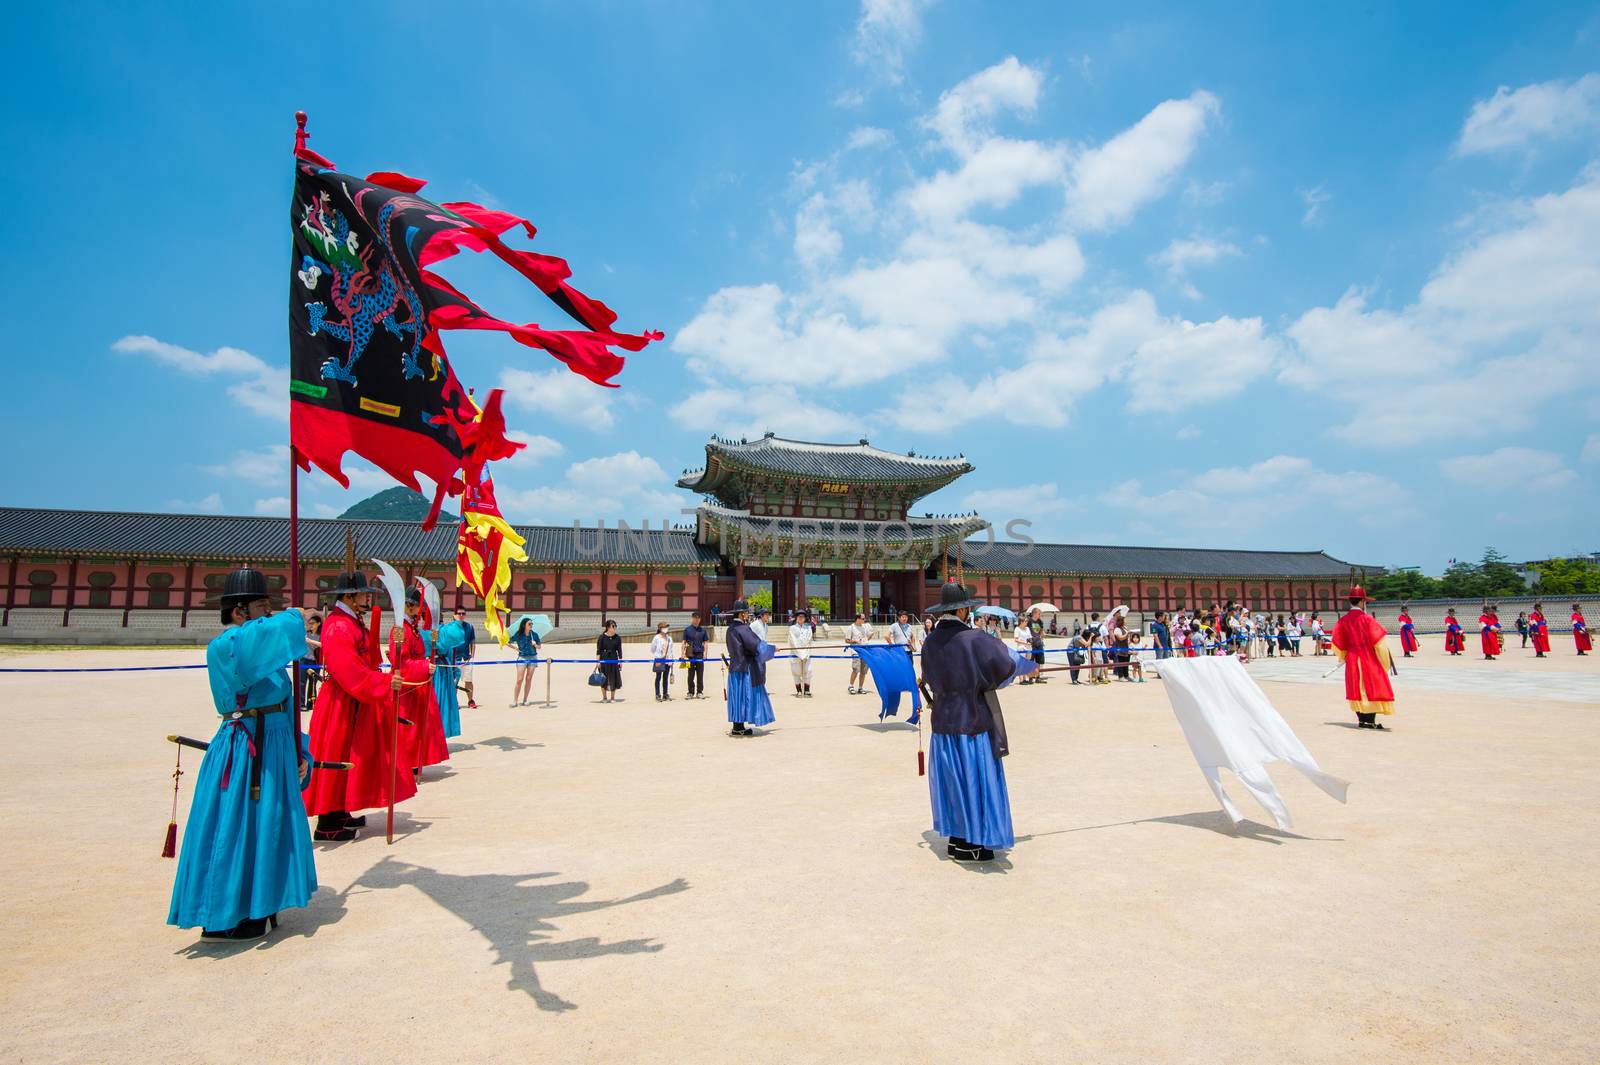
(485, 550)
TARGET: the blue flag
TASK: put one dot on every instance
(892, 673)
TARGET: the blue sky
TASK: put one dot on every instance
(1250, 275)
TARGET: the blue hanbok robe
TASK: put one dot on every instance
(966, 781)
(748, 655)
(246, 858)
(449, 641)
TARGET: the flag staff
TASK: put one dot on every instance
(296, 592)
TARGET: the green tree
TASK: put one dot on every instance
(820, 605)
(1463, 581)
(760, 599)
(1569, 576)
(1499, 576)
(1406, 584)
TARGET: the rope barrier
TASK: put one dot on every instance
(1173, 652)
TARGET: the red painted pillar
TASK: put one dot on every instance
(649, 595)
(605, 586)
(557, 594)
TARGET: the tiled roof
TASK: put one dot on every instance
(1013, 557)
(115, 534)
(859, 462)
(930, 530)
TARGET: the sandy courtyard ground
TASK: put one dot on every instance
(626, 883)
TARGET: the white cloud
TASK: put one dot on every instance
(1000, 505)
(1191, 363)
(264, 389)
(964, 114)
(561, 394)
(1591, 449)
(886, 31)
(1189, 432)
(1313, 198)
(850, 98)
(626, 486)
(1272, 490)
(863, 137)
(1514, 118)
(1504, 325)
(817, 240)
(767, 408)
(1181, 254)
(537, 447)
(325, 510)
(1110, 183)
(993, 175)
(209, 504)
(1510, 469)
(275, 506)
(268, 465)
(1168, 363)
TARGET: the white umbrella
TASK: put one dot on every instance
(1043, 608)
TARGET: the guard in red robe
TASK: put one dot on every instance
(1489, 633)
(1454, 640)
(354, 719)
(1358, 640)
(423, 742)
(1580, 631)
(1541, 631)
(1408, 632)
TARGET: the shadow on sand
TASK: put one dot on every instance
(1210, 820)
(887, 726)
(517, 914)
(499, 743)
(326, 907)
(999, 867)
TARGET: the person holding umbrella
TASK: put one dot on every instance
(526, 638)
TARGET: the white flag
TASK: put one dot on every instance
(1229, 721)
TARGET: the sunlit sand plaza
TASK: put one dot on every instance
(627, 883)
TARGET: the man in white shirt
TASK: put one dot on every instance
(860, 632)
(759, 625)
(800, 635)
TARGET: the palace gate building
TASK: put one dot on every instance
(808, 522)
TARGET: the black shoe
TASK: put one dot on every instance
(355, 822)
(984, 854)
(249, 929)
(961, 852)
(1364, 724)
(1378, 725)
(334, 835)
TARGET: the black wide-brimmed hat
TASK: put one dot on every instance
(349, 584)
(739, 607)
(244, 585)
(953, 597)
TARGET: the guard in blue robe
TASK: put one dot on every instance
(449, 640)
(748, 655)
(961, 670)
(247, 846)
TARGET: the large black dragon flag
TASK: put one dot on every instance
(368, 370)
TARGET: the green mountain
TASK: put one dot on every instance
(396, 504)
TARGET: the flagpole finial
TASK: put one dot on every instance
(300, 133)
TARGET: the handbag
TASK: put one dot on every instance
(597, 679)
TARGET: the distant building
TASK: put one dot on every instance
(777, 514)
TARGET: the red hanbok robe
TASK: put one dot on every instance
(1580, 633)
(1358, 640)
(1408, 634)
(353, 721)
(1489, 631)
(422, 742)
(1541, 632)
(1454, 641)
